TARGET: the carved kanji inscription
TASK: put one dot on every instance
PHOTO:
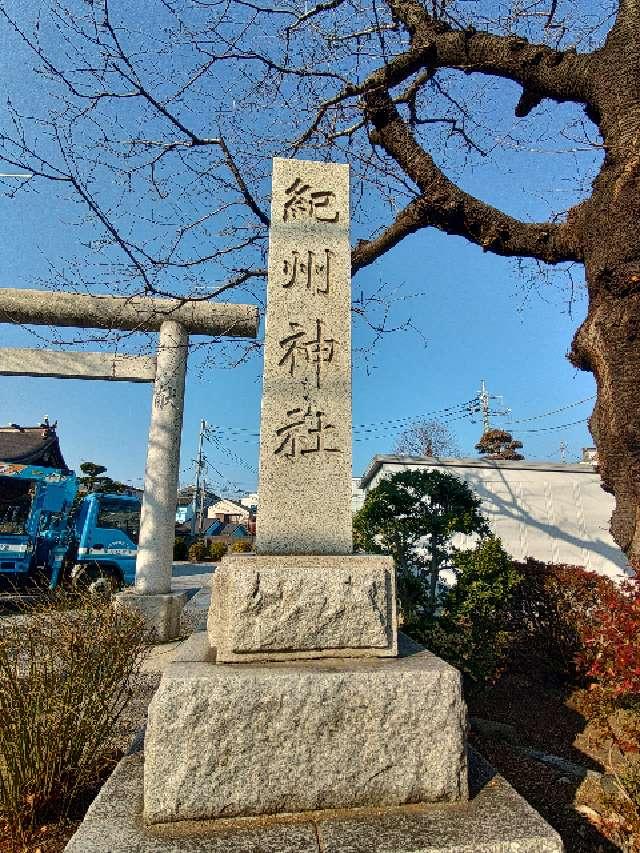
(303, 350)
(308, 269)
(305, 434)
(306, 203)
(307, 431)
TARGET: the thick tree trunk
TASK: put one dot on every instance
(608, 342)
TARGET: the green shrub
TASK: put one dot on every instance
(241, 547)
(180, 548)
(414, 516)
(217, 550)
(67, 670)
(472, 630)
(198, 552)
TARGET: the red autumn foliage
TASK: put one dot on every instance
(611, 640)
(566, 619)
(550, 611)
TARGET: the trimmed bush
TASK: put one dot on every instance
(241, 547)
(180, 548)
(217, 550)
(198, 552)
(472, 630)
(65, 677)
(550, 611)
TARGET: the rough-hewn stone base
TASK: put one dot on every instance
(299, 607)
(251, 739)
(495, 820)
(161, 612)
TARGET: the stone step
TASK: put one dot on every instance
(495, 818)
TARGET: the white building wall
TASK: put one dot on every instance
(357, 495)
(552, 512)
(249, 500)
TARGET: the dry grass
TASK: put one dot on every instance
(67, 671)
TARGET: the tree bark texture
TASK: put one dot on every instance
(608, 342)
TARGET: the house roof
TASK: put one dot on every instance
(229, 507)
(435, 462)
(230, 529)
(31, 446)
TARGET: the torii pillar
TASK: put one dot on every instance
(175, 320)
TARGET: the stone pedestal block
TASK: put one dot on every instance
(234, 740)
(161, 612)
(296, 607)
(495, 820)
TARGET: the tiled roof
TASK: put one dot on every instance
(31, 446)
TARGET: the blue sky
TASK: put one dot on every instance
(473, 316)
(475, 321)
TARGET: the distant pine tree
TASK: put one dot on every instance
(94, 479)
(499, 444)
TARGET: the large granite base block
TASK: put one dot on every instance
(296, 607)
(495, 820)
(252, 739)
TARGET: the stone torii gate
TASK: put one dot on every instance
(175, 320)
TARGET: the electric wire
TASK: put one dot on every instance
(554, 411)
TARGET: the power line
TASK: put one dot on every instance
(554, 411)
(559, 426)
(448, 414)
(213, 439)
(445, 413)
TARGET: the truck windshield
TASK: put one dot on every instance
(117, 515)
(16, 497)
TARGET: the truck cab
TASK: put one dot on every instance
(107, 527)
(35, 503)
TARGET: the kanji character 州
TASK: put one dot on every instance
(302, 268)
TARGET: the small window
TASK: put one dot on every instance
(16, 497)
(116, 515)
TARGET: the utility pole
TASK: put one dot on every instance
(484, 398)
(203, 487)
(196, 488)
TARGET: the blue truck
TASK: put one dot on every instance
(48, 539)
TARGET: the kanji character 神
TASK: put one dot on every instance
(316, 350)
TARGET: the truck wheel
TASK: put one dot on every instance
(95, 579)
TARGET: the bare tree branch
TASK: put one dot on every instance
(445, 206)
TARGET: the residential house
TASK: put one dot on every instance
(228, 511)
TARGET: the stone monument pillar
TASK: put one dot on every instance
(304, 594)
(297, 699)
(305, 430)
